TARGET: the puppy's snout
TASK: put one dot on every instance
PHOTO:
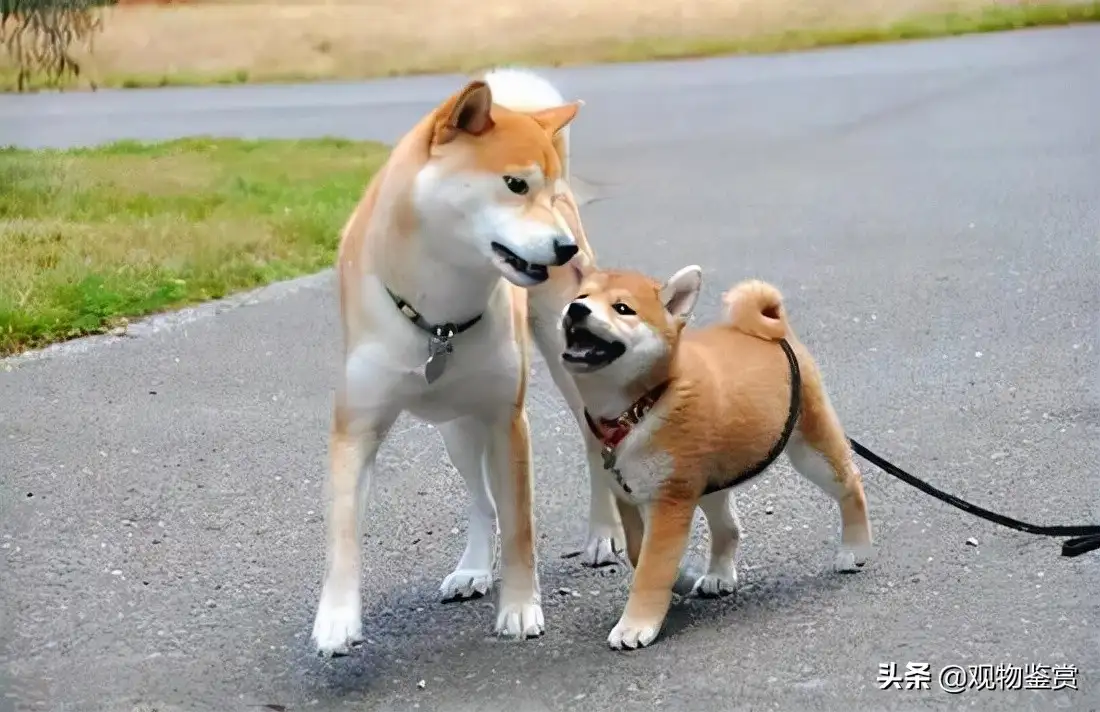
(564, 251)
(575, 313)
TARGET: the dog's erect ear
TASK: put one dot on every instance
(468, 111)
(557, 118)
(681, 291)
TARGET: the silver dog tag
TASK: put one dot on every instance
(608, 458)
(439, 347)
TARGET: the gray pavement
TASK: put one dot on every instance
(932, 213)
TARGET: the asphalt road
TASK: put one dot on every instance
(931, 212)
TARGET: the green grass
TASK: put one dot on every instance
(91, 237)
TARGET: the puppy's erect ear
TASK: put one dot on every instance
(681, 291)
(557, 118)
(468, 111)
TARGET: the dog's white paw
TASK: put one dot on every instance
(715, 585)
(604, 547)
(337, 627)
(520, 619)
(851, 558)
(631, 635)
(463, 584)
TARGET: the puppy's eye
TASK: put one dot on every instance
(580, 297)
(516, 185)
(623, 309)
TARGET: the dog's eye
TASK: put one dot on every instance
(516, 185)
(580, 297)
(623, 309)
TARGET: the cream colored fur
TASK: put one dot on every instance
(486, 168)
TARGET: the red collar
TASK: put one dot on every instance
(612, 431)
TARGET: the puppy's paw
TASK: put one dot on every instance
(851, 558)
(603, 548)
(464, 584)
(338, 627)
(630, 635)
(715, 585)
(520, 619)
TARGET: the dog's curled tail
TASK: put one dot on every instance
(756, 308)
(521, 89)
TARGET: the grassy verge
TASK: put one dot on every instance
(90, 237)
(230, 42)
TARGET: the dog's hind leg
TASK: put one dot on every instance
(605, 534)
(466, 440)
(820, 452)
(725, 537)
(353, 446)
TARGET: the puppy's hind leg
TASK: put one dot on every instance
(725, 538)
(820, 452)
(466, 440)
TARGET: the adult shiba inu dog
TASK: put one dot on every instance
(685, 414)
(449, 264)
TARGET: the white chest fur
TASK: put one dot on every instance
(641, 466)
(386, 370)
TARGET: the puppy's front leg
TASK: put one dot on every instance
(519, 612)
(353, 445)
(667, 527)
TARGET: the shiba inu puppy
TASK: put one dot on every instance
(448, 266)
(686, 414)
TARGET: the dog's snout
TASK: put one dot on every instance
(564, 251)
(576, 312)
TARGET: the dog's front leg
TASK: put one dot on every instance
(353, 446)
(633, 528)
(519, 611)
(667, 527)
(605, 534)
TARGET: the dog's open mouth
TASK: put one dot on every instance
(585, 348)
(512, 264)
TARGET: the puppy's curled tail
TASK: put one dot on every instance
(756, 308)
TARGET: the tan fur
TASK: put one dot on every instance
(724, 410)
(756, 308)
(465, 131)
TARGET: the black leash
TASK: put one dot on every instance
(1086, 536)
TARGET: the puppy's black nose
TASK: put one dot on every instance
(575, 313)
(564, 252)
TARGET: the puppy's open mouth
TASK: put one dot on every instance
(585, 348)
(516, 269)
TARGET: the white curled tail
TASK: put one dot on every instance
(523, 90)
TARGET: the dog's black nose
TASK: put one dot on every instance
(564, 252)
(575, 313)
